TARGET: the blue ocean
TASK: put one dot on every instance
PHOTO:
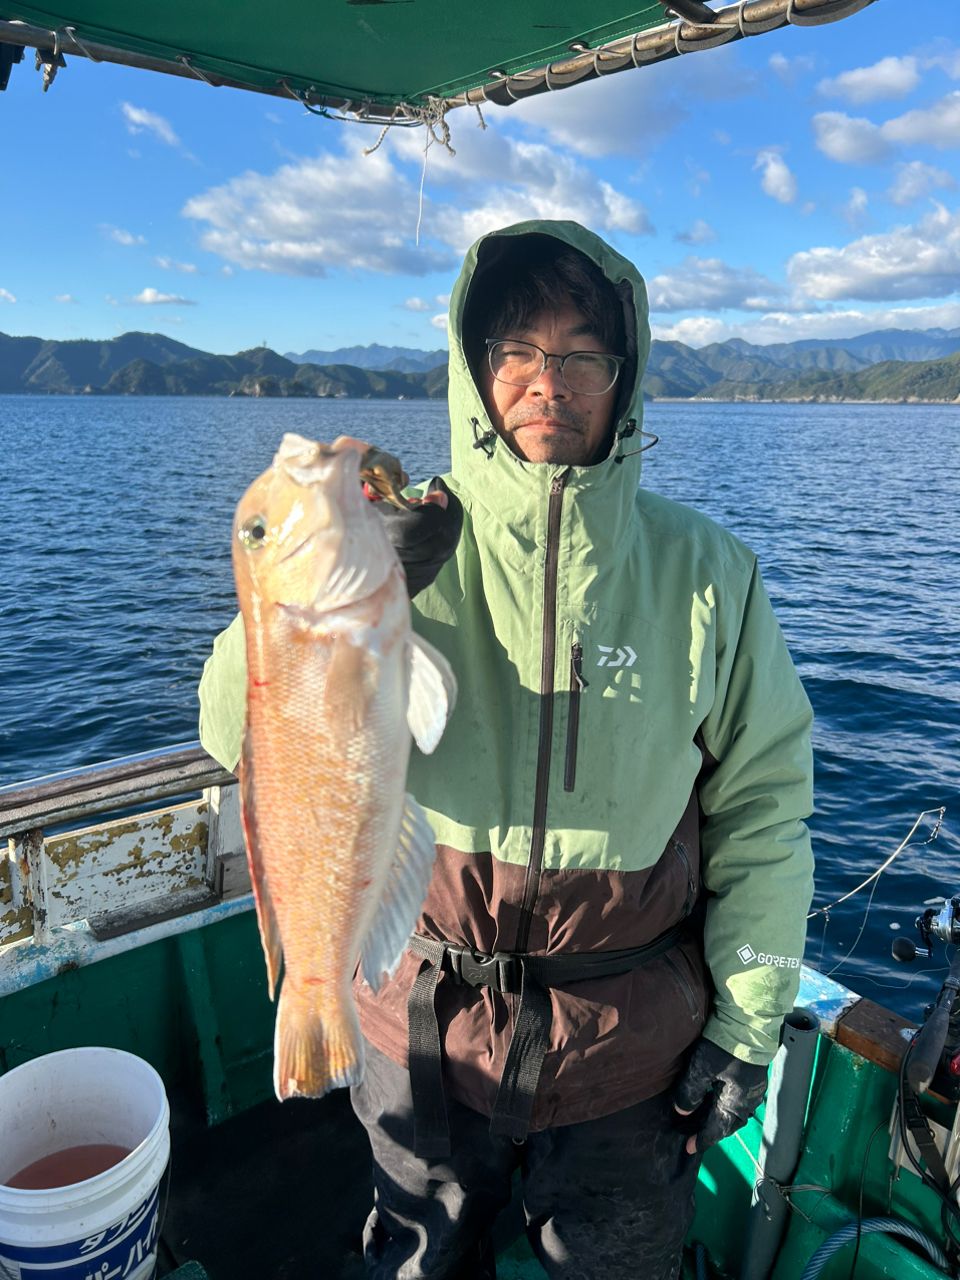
(116, 573)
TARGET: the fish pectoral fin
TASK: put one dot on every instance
(433, 693)
(266, 918)
(351, 682)
(403, 895)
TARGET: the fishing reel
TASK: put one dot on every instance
(935, 1058)
(943, 924)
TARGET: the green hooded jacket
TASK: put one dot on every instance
(630, 735)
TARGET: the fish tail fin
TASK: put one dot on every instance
(314, 1054)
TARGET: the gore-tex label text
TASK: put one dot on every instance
(747, 953)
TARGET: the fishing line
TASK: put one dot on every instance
(863, 925)
(874, 879)
(902, 986)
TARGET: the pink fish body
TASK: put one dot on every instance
(338, 685)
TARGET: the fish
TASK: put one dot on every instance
(338, 688)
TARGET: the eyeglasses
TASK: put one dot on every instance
(586, 373)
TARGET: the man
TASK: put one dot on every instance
(613, 929)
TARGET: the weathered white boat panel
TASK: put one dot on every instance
(77, 897)
(16, 918)
(120, 865)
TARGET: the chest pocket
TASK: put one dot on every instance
(631, 697)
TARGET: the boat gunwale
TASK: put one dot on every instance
(116, 784)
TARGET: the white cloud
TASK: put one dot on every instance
(921, 261)
(333, 211)
(417, 304)
(790, 70)
(695, 331)
(849, 139)
(499, 179)
(855, 140)
(697, 179)
(440, 321)
(120, 236)
(708, 284)
(700, 233)
(6, 296)
(64, 297)
(782, 326)
(856, 207)
(777, 180)
(599, 118)
(361, 212)
(948, 61)
(150, 297)
(139, 120)
(888, 78)
(915, 180)
(442, 299)
(170, 264)
(936, 126)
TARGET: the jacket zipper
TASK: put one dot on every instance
(685, 987)
(680, 849)
(547, 657)
(577, 686)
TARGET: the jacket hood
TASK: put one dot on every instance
(479, 457)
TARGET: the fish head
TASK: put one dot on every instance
(304, 536)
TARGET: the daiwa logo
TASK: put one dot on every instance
(625, 657)
(747, 953)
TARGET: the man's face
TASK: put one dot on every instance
(546, 421)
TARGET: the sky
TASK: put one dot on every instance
(800, 184)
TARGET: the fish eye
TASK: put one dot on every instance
(253, 532)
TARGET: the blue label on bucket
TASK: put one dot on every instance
(112, 1254)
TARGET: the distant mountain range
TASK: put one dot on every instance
(890, 364)
(387, 359)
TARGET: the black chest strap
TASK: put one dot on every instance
(511, 974)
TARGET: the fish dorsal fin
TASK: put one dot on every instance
(433, 692)
(403, 895)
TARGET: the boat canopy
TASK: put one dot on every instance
(390, 61)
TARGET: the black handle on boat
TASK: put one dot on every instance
(928, 1046)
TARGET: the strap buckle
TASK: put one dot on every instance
(501, 971)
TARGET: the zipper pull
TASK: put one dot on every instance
(576, 665)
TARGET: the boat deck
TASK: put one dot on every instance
(281, 1192)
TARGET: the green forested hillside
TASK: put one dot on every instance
(897, 380)
(153, 364)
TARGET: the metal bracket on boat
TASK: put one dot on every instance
(50, 60)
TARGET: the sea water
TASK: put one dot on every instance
(116, 576)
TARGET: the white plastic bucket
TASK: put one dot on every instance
(106, 1227)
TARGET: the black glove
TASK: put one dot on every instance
(425, 536)
(722, 1091)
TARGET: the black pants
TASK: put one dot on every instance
(609, 1199)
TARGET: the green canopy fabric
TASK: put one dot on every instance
(399, 60)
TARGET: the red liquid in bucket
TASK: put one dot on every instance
(63, 1168)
